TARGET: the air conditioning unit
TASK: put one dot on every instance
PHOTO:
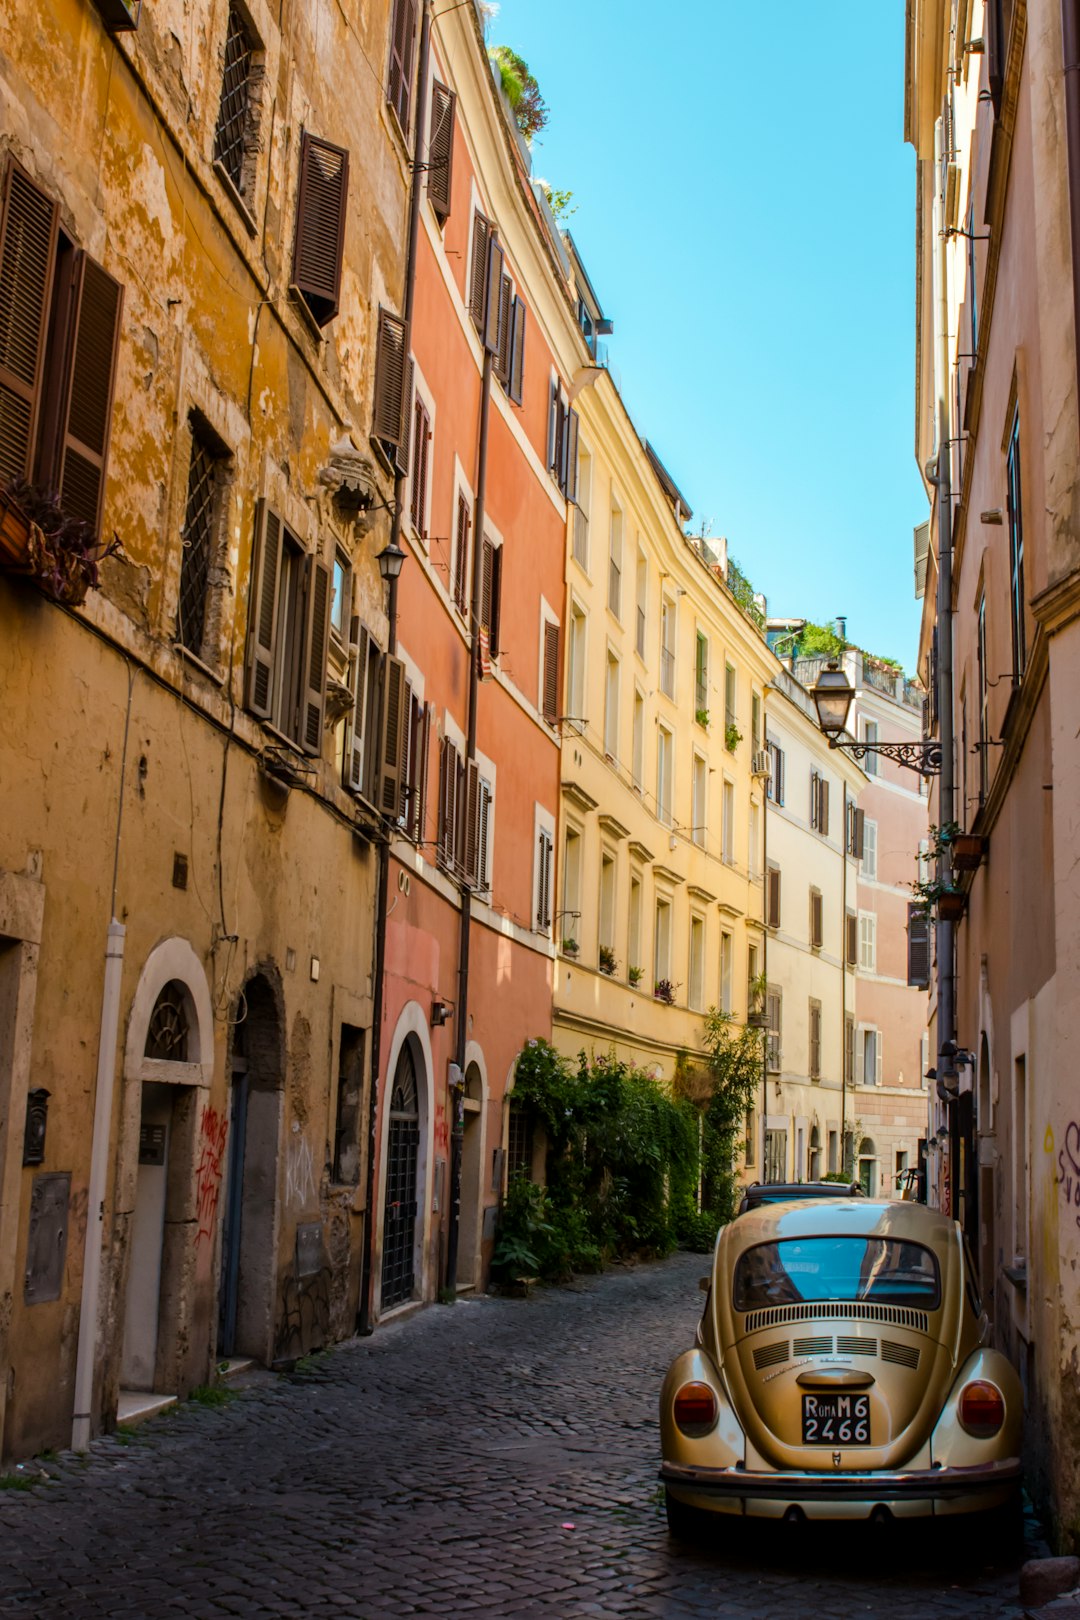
(761, 764)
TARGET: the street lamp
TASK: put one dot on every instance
(833, 695)
(390, 560)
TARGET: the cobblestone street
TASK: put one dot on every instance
(499, 1458)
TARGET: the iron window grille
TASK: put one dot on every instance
(233, 136)
(198, 541)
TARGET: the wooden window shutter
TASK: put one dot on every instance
(392, 737)
(823, 807)
(87, 412)
(517, 352)
(461, 552)
(774, 897)
(449, 772)
(420, 459)
(860, 1057)
(420, 775)
(551, 673)
(441, 149)
(496, 601)
(570, 471)
(543, 881)
(263, 611)
(315, 646)
(390, 408)
(483, 875)
(817, 917)
(554, 427)
(408, 756)
(918, 946)
(28, 226)
(354, 753)
(852, 939)
(858, 833)
(503, 352)
(472, 820)
(399, 83)
(493, 297)
(320, 225)
(995, 51)
(478, 269)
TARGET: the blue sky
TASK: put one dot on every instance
(745, 209)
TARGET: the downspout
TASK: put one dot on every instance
(365, 1315)
(90, 1304)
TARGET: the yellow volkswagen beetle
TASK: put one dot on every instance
(840, 1371)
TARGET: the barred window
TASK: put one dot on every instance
(519, 1152)
(205, 482)
(234, 137)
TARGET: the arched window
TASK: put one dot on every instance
(168, 1032)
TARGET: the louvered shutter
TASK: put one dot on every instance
(496, 601)
(504, 332)
(517, 352)
(88, 401)
(815, 801)
(421, 441)
(263, 611)
(448, 803)
(823, 807)
(419, 807)
(995, 51)
(852, 939)
(28, 228)
(878, 1054)
(554, 424)
(543, 879)
(551, 673)
(860, 1056)
(486, 571)
(390, 409)
(774, 897)
(918, 944)
(817, 914)
(492, 298)
(399, 79)
(472, 819)
(483, 863)
(320, 225)
(315, 645)
(408, 756)
(354, 751)
(461, 551)
(570, 475)
(391, 737)
(441, 149)
(478, 270)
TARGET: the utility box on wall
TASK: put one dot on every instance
(46, 1248)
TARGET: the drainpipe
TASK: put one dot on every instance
(365, 1314)
(948, 1077)
(90, 1304)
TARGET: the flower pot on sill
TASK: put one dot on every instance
(968, 850)
(14, 537)
(950, 906)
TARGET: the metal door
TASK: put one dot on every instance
(234, 1196)
(400, 1209)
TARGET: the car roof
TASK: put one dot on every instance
(840, 1217)
(803, 1189)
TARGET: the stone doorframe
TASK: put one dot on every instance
(22, 911)
(412, 1023)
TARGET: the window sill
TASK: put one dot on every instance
(196, 662)
(300, 304)
(228, 185)
(1018, 1276)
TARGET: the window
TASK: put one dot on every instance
(662, 943)
(504, 327)
(819, 803)
(773, 1024)
(815, 1040)
(521, 1126)
(571, 906)
(699, 798)
(729, 696)
(772, 896)
(236, 138)
(581, 510)
(549, 696)
(606, 937)
(817, 919)
(320, 226)
(834, 1152)
(611, 709)
(851, 943)
(701, 678)
(667, 647)
(870, 735)
(452, 793)
(638, 766)
(1016, 548)
(462, 526)
(490, 594)
(753, 999)
(421, 461)
(515, 378)
(633, 942)
(201, 536)
(479, 268)
(393, 390)
(727, 824)
(441, 150)
(575, 683)
(59, 336)
(856, 832)
(867, 941)
(348, 1131)
(361, 754)
(696, 996)
(984, 703)
(727, 957)
(663, 774)
(414, 773)
(563, 441)
(869, 856)
(340, 598)
(774, 786)
(749, 1144)
(642, 600)
(615, 553)
(399, 82)
(918, 942)
(545, 868)
(868, 1057)
(288, 631)
(849, 1049)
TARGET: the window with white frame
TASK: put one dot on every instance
(664, 752)
(869, 857)
(615, 556)
(696, 994)
(606, 938)
(420, 459)
(611, 707)
(699, 805)
(730, 706)
(582, 509)
(755, 840)
(727, 958)
(642, 601)
(727, 824)
(662, 942)
(701, 678)
(544, 878)
(575, 684)
(667, 647)
(870, 735)
(868, 1056)
(867, 941)
(567, 924)
(634, 961)
(637, 769)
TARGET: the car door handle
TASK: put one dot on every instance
(841, 1378)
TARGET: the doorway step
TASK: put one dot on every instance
(233, 1366)
(136, 1405)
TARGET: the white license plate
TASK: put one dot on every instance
(836, 1420)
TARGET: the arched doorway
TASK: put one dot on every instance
(868, 1167)
(401, 1205)
(471, 1191)
(246, 1299)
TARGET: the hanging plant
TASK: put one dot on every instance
(60, 553)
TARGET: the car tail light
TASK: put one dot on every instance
(982, 1409)
(695, 1408)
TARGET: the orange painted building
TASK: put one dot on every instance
(479, 604)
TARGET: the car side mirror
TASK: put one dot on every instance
(704, 1283)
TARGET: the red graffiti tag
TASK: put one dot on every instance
(213, 1129)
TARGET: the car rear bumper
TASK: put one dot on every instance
(923, 1484)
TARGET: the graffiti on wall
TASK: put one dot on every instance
(213, 1130)
(303, 1314)
(1068, 1159)
(299, 1173)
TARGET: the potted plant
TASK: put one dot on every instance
(60, 553)
(635, 974)
(664, 990)
(950, 905)
(569, 947)
(732, 737)
(607, 959)
(702, 717)
(968, 850)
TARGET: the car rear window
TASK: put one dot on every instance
(881, 1271)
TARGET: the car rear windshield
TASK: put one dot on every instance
(881, 1271)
